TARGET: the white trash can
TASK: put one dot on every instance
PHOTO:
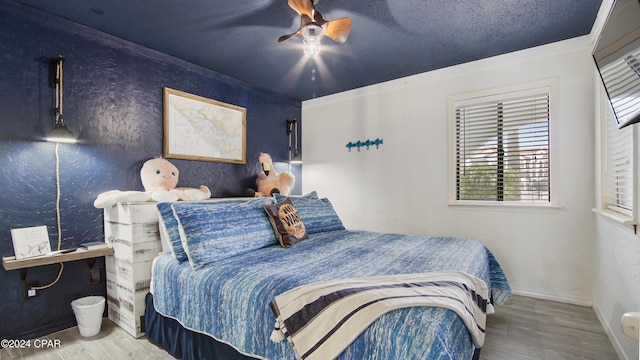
(88, 311)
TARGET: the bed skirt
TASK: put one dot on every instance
(186, 344)
(183, 343)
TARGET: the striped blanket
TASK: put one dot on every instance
(321, 319)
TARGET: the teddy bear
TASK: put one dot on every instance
(159, 179)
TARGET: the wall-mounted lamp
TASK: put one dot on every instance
(311, 42)
(294, 155)
(60, 133)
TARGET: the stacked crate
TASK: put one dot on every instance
(132, 231)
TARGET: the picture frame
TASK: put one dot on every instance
(198, 128)
(30, 241)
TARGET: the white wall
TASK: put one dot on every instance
(402, 187)
(617, 249)
(617, 258)
(617, 281)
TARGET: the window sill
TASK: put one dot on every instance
(506, 206)
(616, 216)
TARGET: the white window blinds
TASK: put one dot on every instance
(618, 179)
(502, 148)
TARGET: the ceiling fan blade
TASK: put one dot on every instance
(302, 7)
(338, 30)
(304, 21)
(318, 19)
(286, 37)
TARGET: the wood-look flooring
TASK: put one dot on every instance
(527, 329)
(523, 329)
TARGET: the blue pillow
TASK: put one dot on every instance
(171, 231)
(311, 195)
(169, 226)
(212, 231)
(317, 215)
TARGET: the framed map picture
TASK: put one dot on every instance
(197, 128)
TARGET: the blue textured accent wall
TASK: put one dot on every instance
(113, 103)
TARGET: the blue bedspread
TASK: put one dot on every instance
(229, 299)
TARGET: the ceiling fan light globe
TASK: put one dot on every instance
(312, 36)
(311, 47)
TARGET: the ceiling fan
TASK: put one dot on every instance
(313, 26)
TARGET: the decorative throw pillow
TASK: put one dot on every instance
(318, 215)
(286, 223)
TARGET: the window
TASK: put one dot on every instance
(618, 179)
(501, 147)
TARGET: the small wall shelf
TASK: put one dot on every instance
(10, 262)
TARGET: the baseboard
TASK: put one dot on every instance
(607, 329)
(568, 300)
(45, 330)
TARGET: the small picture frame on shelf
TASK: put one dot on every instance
(30, 241)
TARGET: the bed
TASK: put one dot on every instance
(213, 293)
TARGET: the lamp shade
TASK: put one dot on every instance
(296, 159)
(61, 134)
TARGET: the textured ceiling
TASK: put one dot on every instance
(389, 38)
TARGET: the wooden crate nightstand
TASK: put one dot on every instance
(132, 231)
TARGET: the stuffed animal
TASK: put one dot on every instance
(270, 182)
(109, 198)
(159, 179)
